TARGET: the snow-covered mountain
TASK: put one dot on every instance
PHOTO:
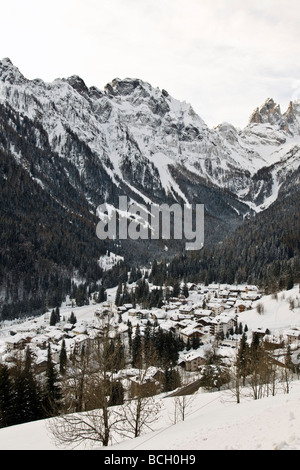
(85, 146)
(155, 144)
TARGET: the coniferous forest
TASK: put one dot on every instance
(264, 250)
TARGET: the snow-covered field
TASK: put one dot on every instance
(213, 420)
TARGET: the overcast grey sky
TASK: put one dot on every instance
(225, 57)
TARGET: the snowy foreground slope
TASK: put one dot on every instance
(214, 422)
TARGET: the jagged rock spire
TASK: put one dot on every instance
(269, 112)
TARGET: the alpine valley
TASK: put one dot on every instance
(66, 148)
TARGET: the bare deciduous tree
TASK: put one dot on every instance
(140, 412)
(181, 406)
(88, 428)
(87, 388)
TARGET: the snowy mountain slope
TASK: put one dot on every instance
(213, 422)
(125, 140)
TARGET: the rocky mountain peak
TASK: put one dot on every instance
(9, 73)
(126, 87)
(292, 112)
(78, 84)
(268, 113)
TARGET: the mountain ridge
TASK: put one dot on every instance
(130, 119)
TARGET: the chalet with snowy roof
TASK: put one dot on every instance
(215, 307)
(222, 324)
(80, 328)
(142, 314)
(17, 341)
(292, 335)
(201, 313)
(148, 382)
(185, 309)
(171, 306)
(205, 321)
(40, 341)
(193, 360)
(128, 306)
(178, 317)
(158, 315)
(192, 286)
(122, 309)
(242, 305)
(132, 312)
(251, 288)
(189, 333)
(260, 332)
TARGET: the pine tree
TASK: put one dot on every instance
(137, 348)
(72, 319)
(6, 397)
(63, 358)
(33, 390)
(102, 296)
(129, 332)
(172, 379)
(176, 288)
(27, 393)
(185, 290)
(118, 297)
(147, 346)
(242, 360)
(119, 354)
(52, 391)
(57, 315)
(52, 318)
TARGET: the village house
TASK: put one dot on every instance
(122, 309)
(40, 341)
(142, 314)
(216, 308)
(189, 333)
(243, 305)
(260, 332)
(224, 294)
(132, 312)
(205, 321)
(222, 324)
(193, 361)
(185, 309)
(202, 312)
(292, 335)
(17, 341)
(79, 329)
(192, 286)
(250, 295)
(128, 306)
(158, 315)
(148, 383)
(41, 365)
